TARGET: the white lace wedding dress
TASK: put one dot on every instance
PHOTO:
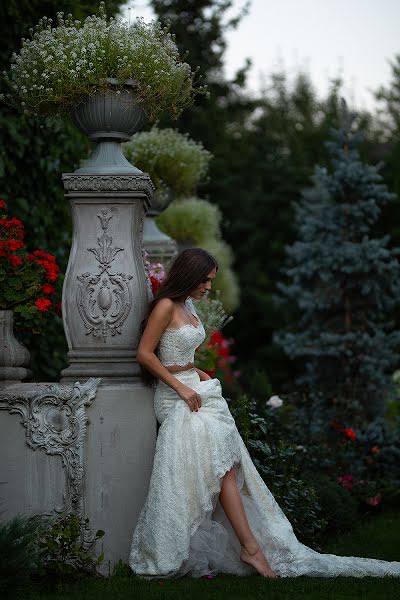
(182, 528)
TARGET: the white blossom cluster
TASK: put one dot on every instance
(59, 65)
(212, 314)
(274, 402)
(171, 158)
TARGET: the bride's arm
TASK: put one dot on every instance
(158, 321)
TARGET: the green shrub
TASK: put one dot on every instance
(275, 460)
(19, 551)
(196, 222)
(191, 220)
(64, 554)
(338, 505)
(172, 159)
(226, 280)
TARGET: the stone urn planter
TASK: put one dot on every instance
(109, 117)
(105, 292)
(160, 247)
(14, 357)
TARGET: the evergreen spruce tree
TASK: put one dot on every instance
(342, 282)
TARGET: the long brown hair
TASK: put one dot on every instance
(189, 269)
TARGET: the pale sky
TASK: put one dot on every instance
(352, 38)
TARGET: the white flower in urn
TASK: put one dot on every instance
(274, 402)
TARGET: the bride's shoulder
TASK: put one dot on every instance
(163, 310)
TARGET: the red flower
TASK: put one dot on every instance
(155, 284)
(47, 288)
(57, 309)
(50, 268)
(346, 481)
(3, 204)
(350, 433)
(44, 255)
(43, 304)
(15, 245)
(15, 261)
(216, 338)
(375, 449)
(210, 372)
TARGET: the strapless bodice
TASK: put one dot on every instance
(177, 346)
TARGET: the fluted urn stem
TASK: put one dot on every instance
(14, 357)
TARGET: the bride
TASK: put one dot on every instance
(208, 510)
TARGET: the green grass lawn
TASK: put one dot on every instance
(377, 537)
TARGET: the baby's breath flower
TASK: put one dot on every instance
(65, 55)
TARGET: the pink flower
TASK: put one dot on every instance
(374, 500)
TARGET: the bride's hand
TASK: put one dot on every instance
(203, 375)
(191, 397)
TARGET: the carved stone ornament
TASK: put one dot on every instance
(104, 299)
(55, 420)
(105, 183)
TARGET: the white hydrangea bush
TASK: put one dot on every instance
(59, 65)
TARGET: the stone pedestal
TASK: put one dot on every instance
(42, 433)
(119, 444)
(79, 448)
(105, 293)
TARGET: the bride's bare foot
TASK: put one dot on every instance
(253, 555)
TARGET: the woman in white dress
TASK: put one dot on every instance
(208, 511)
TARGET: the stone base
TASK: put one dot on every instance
(119, 451)
(115, 366)
(117, 429)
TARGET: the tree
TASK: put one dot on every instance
(387, 146)
(343, 282)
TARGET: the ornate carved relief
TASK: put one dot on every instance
(105, 183)
(55, 420)
(104, 299)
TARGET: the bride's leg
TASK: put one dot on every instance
(232, 504)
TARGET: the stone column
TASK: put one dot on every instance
(105, 291)
(105, 297)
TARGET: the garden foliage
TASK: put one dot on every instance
(52, 550)
(324, 472)
(19, 551)
(175, 162)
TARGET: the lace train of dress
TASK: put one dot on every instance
(182, 528)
